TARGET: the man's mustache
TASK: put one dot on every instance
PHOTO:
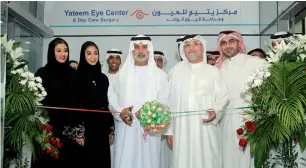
(141, 55)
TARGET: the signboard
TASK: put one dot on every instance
(119, 18)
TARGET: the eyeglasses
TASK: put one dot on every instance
(192, 43)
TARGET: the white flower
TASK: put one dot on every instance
(40, 95)
(251, 78)
(13, 72)
(260, 73)
(31, 76)
(44, 93)
(32, 84)
(25, 75)
(38, 79)
(8, 45)
(302, 56)
(16, 53)
(16, 64)
(39, 85)
(38, 103)
(39, 98)
(26, 68)
(35, 88)
(258, 82)
(246, 88)
(272, 57)
(267, 74)
(23, 82)
(20, 71)
(247, 117)
(248, 97)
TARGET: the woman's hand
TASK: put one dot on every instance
(80, 141)
(111, 139)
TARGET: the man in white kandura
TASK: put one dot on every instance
(112, 63)
(160, 59)
(165, 150)
(235, 68)
(139, 80)
(277, 37)
(195, 87)
(110, 68)
(179, 42)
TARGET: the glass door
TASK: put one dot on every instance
(4, 16)
(299, 24)
(31, 42)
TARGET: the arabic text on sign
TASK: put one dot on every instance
(196, 13)
(202, 19)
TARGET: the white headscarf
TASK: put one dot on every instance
(126, 79)
(110, 52)
(179, 42)
(161, 55)
(282, 35)
(192, 37)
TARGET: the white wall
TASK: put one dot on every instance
(246, 20)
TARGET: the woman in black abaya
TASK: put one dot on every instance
(92, 87)
(57, 79)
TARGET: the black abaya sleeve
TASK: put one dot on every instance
(105, 104)
(75, 126)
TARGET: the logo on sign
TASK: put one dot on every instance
(139, 14)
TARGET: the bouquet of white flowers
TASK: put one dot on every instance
(23, 94)
(278, 92)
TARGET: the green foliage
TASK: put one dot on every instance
(21, 119)
(282, 114)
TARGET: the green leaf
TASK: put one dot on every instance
(39, 139)
(9, 65)
(302, 141)
(16, 45)
(281, 115)
(260, 157)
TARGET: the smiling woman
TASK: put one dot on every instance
(92, 87)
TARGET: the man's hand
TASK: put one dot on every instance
(111, 139)
(125, 116)
(170, 140)
(80, 141)
(211, 116)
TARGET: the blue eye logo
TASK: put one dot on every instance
(139, 14)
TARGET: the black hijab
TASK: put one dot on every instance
(53, 67)
(84, 69)
(92, 83)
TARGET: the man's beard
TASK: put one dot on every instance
(192, 57)
(232, 54)
(141, 57)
